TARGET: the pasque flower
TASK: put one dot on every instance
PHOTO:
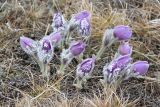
(81, 21)
(55, 38)
(58, 22)
(122, 32)
(82, 15)
(45, 50)
(136, 69)
(84, 27)
(84, 70)
(28, 45)
(118, 33)
(112, 70)
(76, 48)
(41, 51)
(140, 67)
(45, 54)
(125, 49)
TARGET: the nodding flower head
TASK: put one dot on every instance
(140, 67)
(76, 48)
(28, 45)
(125, 49)
(58, 21)
(112, 70)
(45, 50)
(122, 32)
(84, 28)
(86, 67)
(55, 37)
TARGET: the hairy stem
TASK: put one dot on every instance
(78, 83)
(100, 52)
(61, 70)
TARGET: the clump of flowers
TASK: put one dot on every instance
(81, 23)
(120, 68)
(42, 51)
(118, 33)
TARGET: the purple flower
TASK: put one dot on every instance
(55, 37)
(122, 32)
(58, 21)
(46, 46)
(81, 15)
(112, 70)
(84, 28)
(140, 67)
(86, 67)
(125, 49)
(28, 45)
(76, 48)
(45, 50)
(81, 22)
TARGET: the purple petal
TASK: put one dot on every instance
(46, 45)
(58, 21)
(84, 27)
(56, 37)
(77, 48)
(27, 45)
(87, 65)
(123, 61)
(82, 15)
(140, 67)
(122, 32)
(45, 50)
(119, 64)
(125, 49)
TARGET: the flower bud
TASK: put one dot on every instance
(119, 33)
(108, 38)
(28, 45)
(112, 70)
(58, 22)
(81, 21)
(86, 67)
(84, 28)
(125, 49)
(122, 32)
(45, 50)
(140, 67)
(76, 48)
(55, 37)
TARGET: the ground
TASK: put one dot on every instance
(21, 84)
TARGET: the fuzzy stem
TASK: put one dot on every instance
(61, 70)
(67, 37)
(80, 57)
(62, 44)
(78, 83)
(44, 70)
(100, 52)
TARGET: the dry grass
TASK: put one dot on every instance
(21, 85)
